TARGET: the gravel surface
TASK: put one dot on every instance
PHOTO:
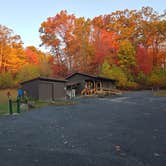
(129, 130)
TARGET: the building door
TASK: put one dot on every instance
(59, 90)
(46, 91)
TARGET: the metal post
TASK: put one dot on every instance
(10, 107)
(18, 105)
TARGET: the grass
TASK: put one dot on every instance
(3, 109)
(160, 93)
(3, 95)
(37, 104)
(4, 100)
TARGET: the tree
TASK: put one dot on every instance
(42, 60)
(68, 39)
(28, 72)
(11, 51)
(157, 78)
(131, 40)
(105, 69)
(141, 78)
(6, 80)
(126, 56)
(56, 32)
(144, 60)
(32, 56)
(114, 72)
(79, 49)
(152, 31)
(60, 70)
(106, 46)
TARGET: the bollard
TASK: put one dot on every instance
(10, 107)
(18, 105)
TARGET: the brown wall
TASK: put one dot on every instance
(59, 90)
(31, 88)
(108, 84)
(45, 90)
(51, 90)
(79, 79)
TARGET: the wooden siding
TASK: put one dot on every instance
(108, 84)
(59, 90)
(31, 89)
(51, 90)
(45, 91)
(82, 79)
(79, 79)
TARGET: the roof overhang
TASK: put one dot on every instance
(92, 77)
(43, 79)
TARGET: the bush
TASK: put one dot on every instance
(6, 80)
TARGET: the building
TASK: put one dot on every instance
(80, 83)
(48, 89)
(43, 88)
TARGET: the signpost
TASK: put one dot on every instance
(18, 105)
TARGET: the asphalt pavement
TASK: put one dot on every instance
(128, 130)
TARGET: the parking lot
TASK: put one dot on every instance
(128, 130)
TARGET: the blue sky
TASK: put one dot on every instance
(25, 16)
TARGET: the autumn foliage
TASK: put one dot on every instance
(128, 45)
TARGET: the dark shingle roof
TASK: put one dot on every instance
(92, 76)
(44, 79)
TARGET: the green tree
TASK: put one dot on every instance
(114, 72)
(105, 69)
(126, 56)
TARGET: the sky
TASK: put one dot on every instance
(26, 16)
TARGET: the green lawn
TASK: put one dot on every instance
(37, 104)
(4, 100)
(3, 108)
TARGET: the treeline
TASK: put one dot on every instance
(128, 45)
(19, 64)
